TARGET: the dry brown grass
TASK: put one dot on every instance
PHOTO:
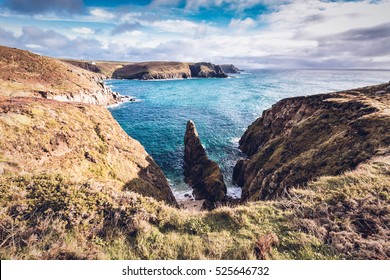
(80, 140)
(23, 73)
(350, 212)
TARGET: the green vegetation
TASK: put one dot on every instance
(51, 217)
(351, 211)
(74, 185)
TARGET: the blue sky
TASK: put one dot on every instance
(248, 33)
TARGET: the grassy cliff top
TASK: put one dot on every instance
(23, 73)
(104, 67)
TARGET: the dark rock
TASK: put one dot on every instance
(229, 68)
(206, 70)
(201, 173)
(89, 157)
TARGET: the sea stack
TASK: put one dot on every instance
(202, 174)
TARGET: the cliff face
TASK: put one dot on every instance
(206, 70)
(26, 74)
(302, 138)
(201, 173)
(78, 141)
(229, 68)
(168, 70)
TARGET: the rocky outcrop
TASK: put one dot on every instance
(80, 142)
(168, 70)
(302, 138)
(24, 74)
(153, 70)
(206, 70)
(229, 68)
(201, 173)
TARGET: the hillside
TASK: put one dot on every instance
(81, 142)
(23, 73)
(74, 185)
(168, 70)
(68, 177)
(300, 139)
(340, 217)
(106, 68)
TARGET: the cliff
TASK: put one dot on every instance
(78, 141)
(302, 138)
(201, 173)
(168, 70)
(106, 68)
(206, 70)
(23, 73)
(229, 68)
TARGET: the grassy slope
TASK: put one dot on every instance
(104, 67)
(23, 73)
(86, 220)
(78, 140)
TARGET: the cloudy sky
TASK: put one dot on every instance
(248, 33)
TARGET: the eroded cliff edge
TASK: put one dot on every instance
(302, 138)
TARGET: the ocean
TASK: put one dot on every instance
(222, 109)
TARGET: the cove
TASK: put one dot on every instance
(221, 108)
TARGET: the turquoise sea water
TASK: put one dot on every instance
(221, 109)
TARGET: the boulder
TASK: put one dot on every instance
(202, 174)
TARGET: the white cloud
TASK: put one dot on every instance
(101, 14)
(318, 18)
(174, 26)
(242, 24)
(292, 34)
(34, 46)
(83, 30)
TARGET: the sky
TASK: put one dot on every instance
(314, 34)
